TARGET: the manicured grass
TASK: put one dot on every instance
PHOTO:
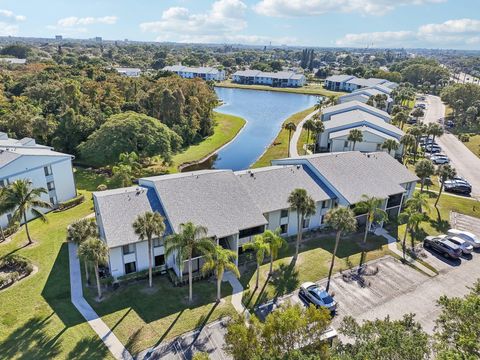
(37, 319)
(279, 148)
(302, 140)
(309, 89)
(312, 264)
(89, 180)
(474, 144)
(142, 317)
(226, 128)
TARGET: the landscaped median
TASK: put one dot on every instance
(279, 148)
(308, 89)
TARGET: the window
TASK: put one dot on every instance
(324, 204)
(283, 229)
(3, 183)
(53, 200)
(48, 170)
(379, 147)
(306, 223)
(159, 260)
(128, 249)
(157, 242)
(322, 220)
(130, 267)
(250, 232)
(345, 144)
(284, 213)
(51, 185)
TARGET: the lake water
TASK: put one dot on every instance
(264, 111)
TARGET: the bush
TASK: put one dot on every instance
(71, 203)
(102, 187)
(464, 137)
(140, 275)
(11, 229)
(16, 267)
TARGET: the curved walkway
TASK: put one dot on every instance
(297, 133)
(106, 335)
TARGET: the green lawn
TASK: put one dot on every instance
(141, 317)
(309, 89)
(279, 148)
(474, 144)
(312, 265)
(37, 319)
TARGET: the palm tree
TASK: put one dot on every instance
(412, 218)
(309, 125)
(444, 173)
(400, 119)
(435, 130)
(260, 247)
(319, 103)
(24, 199)
(190, 239)
(290, 126)
(342, 220)
(416, 131)
(219, 259)
(318, 128)
(408, 142)
(424, 169)
(95, 251)
(123, 173)
(330, 101)
(275, 242)
(4, 208)
(146, 226)
(390, 145)
(371, 207)
(355, 136)
(80, 231)
(304, 205)
(417, 113)
(418, 202)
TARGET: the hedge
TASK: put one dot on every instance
(16, 267)
(140, 275)
(71, 203)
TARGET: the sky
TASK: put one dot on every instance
(453, 24)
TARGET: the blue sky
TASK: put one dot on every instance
(358, 23)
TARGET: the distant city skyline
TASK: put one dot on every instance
(329, 23)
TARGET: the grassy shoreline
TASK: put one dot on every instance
(226, 129)
(279, 147)
(309, 89)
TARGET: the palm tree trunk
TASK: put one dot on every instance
(97, 276)
(2, 234)
(439, 194)
(190, 280)
(271, 261)
(308, 140)
(367, 227)
(149, 262)
(288, 145)
(219, 284)
(299, 234)
(87, 276)
(258, 275)
(26, 228)
(404, 242)
(337, 240)
(422, 183)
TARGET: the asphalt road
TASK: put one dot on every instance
(462, 159)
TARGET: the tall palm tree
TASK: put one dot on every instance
(319, 103)
(4, 208)
(24, 198)
(304, 205)
(261, 248)
(408, 142)
(371, 207)
(330, 101)
(435, 130)
(417, 113)
(355, 136)
(146, 226)
(309, 126)
(219, 259)
(412, 219)
(80, 231)
(418, 202)
(95, 251)
(290, 126)
(275, 242)
(416, 131)
(390, 145)
(400, 119)
(424, 169)
(342, 220)
(190, 239)
(444, 173)
(318, 128)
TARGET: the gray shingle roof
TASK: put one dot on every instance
(354, 173)
(339, 78)
(337, 134)
(6, 157)
(119, 209)
(270, 187)
(350, 105)
(215, 199)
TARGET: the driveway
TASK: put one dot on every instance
(462, 159)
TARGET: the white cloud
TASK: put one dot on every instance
(221, 23)
(8, 29)
(286, 8)
(73, 21)
(455, 33)
(11, 15)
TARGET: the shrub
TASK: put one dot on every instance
(71, 203)
(139, 275)
(102, 187)
(11, 229)
(464, 137)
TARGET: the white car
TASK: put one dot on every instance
(465, 235)
(439, 159)
(466, 247)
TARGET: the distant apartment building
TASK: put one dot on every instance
(349, 83)
(205, 73)
(130, 72)
(44, 167)
(14, 61)
(275, 79)
(364, 94)
(58, 37)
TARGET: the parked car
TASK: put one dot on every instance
(318, 296)
(433, 149)
(449, 124)
(411, 121)
(465, 235)
(465, 246)
(442, 246)
(458, 185)
(439, 159)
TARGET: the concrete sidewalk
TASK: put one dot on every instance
(103, 331)
(237, 292)
(297, 133)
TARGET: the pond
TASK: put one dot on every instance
(264, 111)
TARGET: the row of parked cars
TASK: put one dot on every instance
(453, 244)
